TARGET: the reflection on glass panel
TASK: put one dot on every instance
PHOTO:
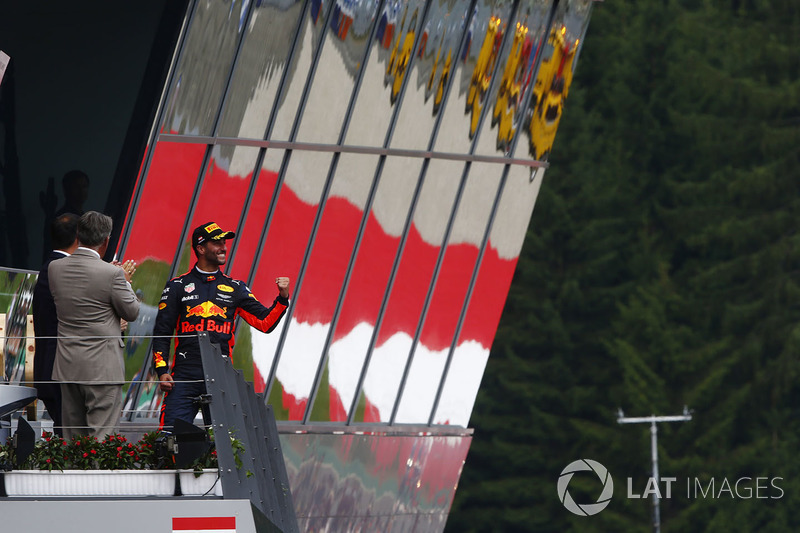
(247, 241)
(413, 278)
(16, 351)
(451, 288)
(158, 221)
(144, 399)
(206, 59)
(550, 90)
(337, 68)
(369, 279)
(333, 479)
(307, 44)
(289, 230)
(153, 242)
(515, 74)
(475, 67)
(436, 56)
(485, 307)
(262, 61)
(222, 196)
(386, 68)
(324, 276)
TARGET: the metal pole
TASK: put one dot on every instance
(654, 458)
(652, 420)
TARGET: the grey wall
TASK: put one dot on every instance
(77, 70)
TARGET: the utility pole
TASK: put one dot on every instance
(652, 420)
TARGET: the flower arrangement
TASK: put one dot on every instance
(114, 452)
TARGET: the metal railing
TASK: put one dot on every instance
(255, 470)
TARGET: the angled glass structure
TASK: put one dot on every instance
(386, 155)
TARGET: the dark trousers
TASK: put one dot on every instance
(50, 394)
(181, 403)
(53, 406)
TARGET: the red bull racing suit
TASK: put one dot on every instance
(198, 301)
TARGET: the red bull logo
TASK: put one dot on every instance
(214, 326)
(206, 310)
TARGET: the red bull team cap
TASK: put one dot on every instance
(210, 231)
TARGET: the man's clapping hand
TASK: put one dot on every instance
(129, 267)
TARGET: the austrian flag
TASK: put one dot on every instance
(204, 524)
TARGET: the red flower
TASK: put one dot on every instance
(85, 454)
(94, 451)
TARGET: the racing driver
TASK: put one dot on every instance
(203, 299)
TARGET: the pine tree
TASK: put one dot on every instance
(660, 269)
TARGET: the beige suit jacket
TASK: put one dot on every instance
(91, 296)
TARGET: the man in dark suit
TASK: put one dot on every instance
(91, 297)
(63, 235)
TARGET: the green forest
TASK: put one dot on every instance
(661, 269)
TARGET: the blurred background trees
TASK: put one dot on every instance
(661, 269)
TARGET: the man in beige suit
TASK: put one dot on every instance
(91, 297)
